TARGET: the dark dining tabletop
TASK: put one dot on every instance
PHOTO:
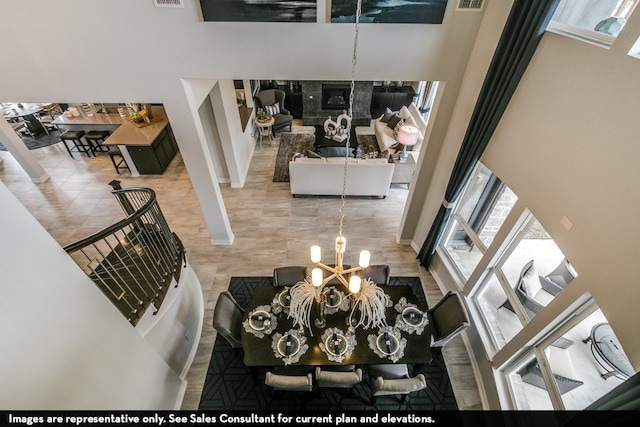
(259, 351)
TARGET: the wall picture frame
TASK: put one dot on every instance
(390, 11)
(259, 10)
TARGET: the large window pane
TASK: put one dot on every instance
(530, 268)
(502, 323)
(596, 21)
(582, 369)
(483, 207)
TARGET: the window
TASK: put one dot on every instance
(594, 21)
(526, 277)
(483, 207)
(572, 371)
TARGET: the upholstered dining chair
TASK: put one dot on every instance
(280, 382)
(289, 276)
(339, 376)
(378, 274)
(227, 319)
(447, 318)
(268, 98)
(393, 380)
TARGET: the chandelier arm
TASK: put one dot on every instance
(352, 270)
(326, 267)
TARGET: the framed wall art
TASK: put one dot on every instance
(259, 10)
(390, 11)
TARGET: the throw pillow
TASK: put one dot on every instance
(313, 155)
(272, 110)
(393, 121)
(531, 282)
(387, 115)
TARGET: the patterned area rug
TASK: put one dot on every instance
(229, 385)
(290, 143)
(40, 141)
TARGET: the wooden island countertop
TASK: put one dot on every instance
(125, 133)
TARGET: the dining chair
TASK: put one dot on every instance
(227, 319)
(20, 126)
(280, 382)
(289, 276)
(393, 380)
(346, 376)
(378, 274)
(447, 319)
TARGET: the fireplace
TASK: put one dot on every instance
(335, 96)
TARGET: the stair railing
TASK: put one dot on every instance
(135, 260)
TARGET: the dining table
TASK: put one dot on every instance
(270, 338)
(26, 111)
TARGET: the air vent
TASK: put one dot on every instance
(470, 5)
(168, 3)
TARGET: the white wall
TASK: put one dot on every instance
(64, 345)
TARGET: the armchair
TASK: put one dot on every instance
(268, 98)
(533, 291)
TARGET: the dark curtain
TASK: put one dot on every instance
(523, 30)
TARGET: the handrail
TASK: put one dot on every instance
(134, 260)
(95, 237)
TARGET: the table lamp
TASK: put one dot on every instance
(407, 135)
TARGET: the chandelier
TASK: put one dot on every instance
(346, 276)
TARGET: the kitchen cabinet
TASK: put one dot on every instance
(153, 159)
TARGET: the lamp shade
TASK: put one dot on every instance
(407, 135)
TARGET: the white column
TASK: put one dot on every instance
(21, 153)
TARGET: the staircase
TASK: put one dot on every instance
(136, 260)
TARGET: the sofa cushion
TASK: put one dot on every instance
(341, 160)
(531, 282)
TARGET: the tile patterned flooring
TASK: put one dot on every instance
(271, 229)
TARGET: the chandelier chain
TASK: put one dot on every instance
(354, 61)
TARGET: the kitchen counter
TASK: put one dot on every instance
(125, 133)
(147, 150)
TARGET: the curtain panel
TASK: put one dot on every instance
(523, 31)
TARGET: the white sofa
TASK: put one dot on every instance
(384, 134)
(324, 177)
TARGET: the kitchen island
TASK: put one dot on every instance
(148, 148)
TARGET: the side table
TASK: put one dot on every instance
(403, 170)
(264, 129)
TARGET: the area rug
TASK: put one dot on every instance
(229, 384)
(40, 141)
(290, 143)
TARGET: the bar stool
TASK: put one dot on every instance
(75, 136)
(96, 138)
(117, 159)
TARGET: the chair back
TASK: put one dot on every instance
(289, 382)
(289, 276)
(270, 97)
(385, 387)
(338, 379)
(563, 274)
(447, 319)
(227, 319)
(379, 274)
